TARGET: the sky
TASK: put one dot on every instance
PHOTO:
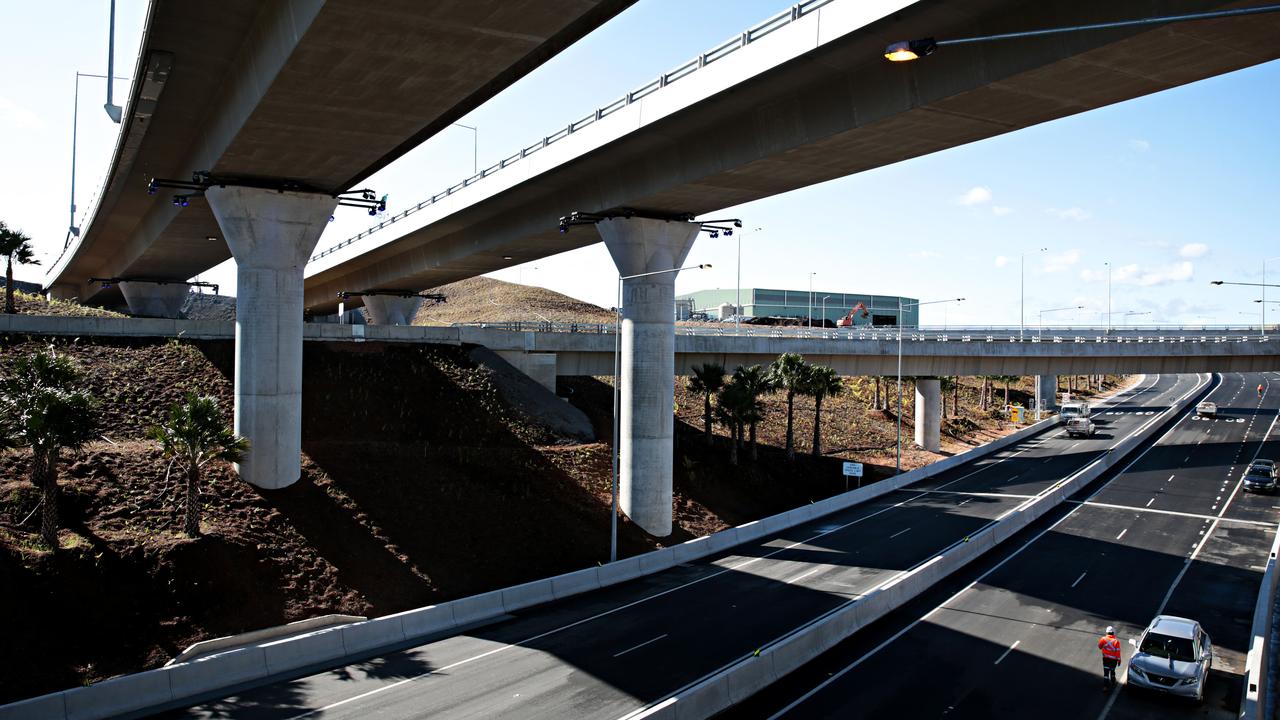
(1172, 190)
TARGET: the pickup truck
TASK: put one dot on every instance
(1080, 427)
(1207, 408)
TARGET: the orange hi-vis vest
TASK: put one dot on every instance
(1110, 647)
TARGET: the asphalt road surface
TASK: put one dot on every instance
(1172, 533)
(613, 652)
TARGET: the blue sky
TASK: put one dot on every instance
(1173, 190)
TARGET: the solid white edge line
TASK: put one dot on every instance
(1006, 652)
(637, 647)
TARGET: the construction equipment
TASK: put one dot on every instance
(847, 320)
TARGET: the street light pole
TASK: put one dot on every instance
(823, 316)
(617, 399)
(811, 299)
(897, 463)
(475, 147)
(72, 230)
(1108, 264)
(1022, 309)
(737, 315)
(1264, 285)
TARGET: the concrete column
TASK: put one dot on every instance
(146, 299)
(647, 366)
(271, 235)
(392, 310)
(929, 414)
(1048, 385)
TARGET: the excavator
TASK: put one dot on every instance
(847, 320)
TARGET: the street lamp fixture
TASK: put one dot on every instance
(1040, 329)
(907, 50)
(617, 359)
(1022, 291)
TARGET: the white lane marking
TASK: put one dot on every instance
(804, 575)
(1122, 532)
(637, 647)
(1166, 512)
(1006, 652)
(1077, 582)
(962, 502)
(1150, 501)
(1074, 445)
(1170, 478)
(971, 494)
(849, 668)
(899, 533)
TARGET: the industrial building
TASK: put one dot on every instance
(721, 304)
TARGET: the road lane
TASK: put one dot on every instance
(567, 659)
(1115, 559)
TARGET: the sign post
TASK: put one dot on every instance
(852, 469)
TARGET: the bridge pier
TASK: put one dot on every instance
(929, 414)
(150, 299)
(647, 364)
(1047, 392)
(271, 235)
(392, 310)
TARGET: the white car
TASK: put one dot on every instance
(1173, 655)
(1207, 408)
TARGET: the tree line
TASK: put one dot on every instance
(44, 407)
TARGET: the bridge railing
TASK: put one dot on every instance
(724, 49)
(916, 334)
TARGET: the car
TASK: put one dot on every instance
(1080, 427)
(1260, 476)
(1173, 655)
(1207, 408)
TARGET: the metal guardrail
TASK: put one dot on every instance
(724, 49)
(914, 334)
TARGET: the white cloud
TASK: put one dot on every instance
(1072, 213)
(1001, 261)
(18, 118)
(1000, 210)
(1061, 261)
(1133, 274)
(977, 195)
(925, 254)
(1139, 145)
(1193, 250)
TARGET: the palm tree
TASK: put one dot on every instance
(42, 407)
(755, 381)
(14, 246)
(788, 373)
(193, 435)
(822, 382)
(707, 379)
(737, 406)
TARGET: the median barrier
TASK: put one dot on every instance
(574, 583)
(372, 634)
(303, 650)
(526, 595)
(811, 640)
(425, 621)
(1257, 671)
(470, 610)
(194, 678)
(117, 696)
(201, 677)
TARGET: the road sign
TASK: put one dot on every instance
(853, 469)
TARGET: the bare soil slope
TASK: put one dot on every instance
(482, 299)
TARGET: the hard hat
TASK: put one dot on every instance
(1111, 630)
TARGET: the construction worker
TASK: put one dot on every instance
(1109, 644)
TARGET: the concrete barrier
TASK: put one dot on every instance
(208, 647)
(1253, 704)
(189, 680)
(117, 696)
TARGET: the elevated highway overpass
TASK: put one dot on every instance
(800, 99)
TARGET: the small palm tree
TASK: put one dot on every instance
(788, 374)
(42, 407)
(14, 246)
(822, 382)
(736, 407)
(707, 379)
(193, 435)
(756, 382)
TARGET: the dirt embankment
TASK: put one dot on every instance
(419, 484)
